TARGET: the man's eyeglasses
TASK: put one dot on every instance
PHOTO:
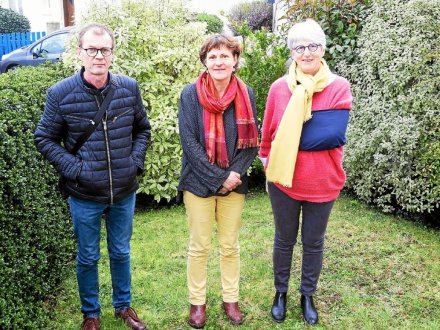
(312, 48)
(92, 52)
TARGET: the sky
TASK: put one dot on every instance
(214, 6)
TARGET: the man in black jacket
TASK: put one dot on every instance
(101, 177)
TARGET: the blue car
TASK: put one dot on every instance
(48, 48)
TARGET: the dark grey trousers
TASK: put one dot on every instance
(315, 217)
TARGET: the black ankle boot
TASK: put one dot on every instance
(279, 307)
(308, 310)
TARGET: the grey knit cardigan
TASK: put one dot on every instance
(198, 175)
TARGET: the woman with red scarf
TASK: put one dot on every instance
(218, 132)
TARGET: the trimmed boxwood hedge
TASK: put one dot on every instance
(36, 241)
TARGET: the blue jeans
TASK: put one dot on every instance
(86, 216)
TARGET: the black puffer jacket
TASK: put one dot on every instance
(105, 168)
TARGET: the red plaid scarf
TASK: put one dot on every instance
(213, 108)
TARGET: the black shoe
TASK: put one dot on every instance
(279, 307)
(308, 310)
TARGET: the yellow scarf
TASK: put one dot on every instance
(284, 149)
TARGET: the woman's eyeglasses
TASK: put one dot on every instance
(312, 48)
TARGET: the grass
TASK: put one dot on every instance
(380, 272)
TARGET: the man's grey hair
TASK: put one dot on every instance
(98, 29)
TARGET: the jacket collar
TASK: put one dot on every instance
(93, 90)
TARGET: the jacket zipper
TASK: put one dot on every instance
(104, 123)
(79, 118)
(116, 117)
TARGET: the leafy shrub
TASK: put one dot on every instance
(213, 22)
(341, 20)
(393, 155)
(11, 21)
(35, 233)
(157, 46)
(256, 14)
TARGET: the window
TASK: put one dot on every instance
(52, 45)
(55, 44)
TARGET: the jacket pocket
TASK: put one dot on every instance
(134, 167)
(78, 173)
(77, 123)
(78, 118)
(124, 113)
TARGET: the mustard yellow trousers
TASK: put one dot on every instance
(201, 212)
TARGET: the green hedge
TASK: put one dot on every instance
(11, 21)
(393, 155)
(35, 233)
(213, 23)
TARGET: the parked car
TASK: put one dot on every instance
(48, 48)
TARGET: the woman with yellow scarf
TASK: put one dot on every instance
(302, 142)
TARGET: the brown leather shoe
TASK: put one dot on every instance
(131, 319)
(91, 323)
(197, 316)
(233, 312)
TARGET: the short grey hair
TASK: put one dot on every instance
(98, 29)
(307, 30)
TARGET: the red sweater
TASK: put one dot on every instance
(319, 176)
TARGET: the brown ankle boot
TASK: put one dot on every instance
(91, 323)
(197, 316)
(233, 312)
(131, 319)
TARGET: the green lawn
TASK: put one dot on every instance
(380, 272)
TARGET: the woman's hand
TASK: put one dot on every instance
(223, 191)
(232, 182)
